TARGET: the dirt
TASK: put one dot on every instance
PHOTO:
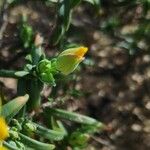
(117, 85)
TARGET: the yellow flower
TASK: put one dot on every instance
(3, 129)
(81, 52)
(78, 51)
(68, 60)
(3, 148)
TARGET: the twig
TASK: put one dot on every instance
(8, 74)
(2, 29)
(56, 102)
(101, 141)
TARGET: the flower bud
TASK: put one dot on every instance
(45, 71)
(68, 60)
(78, 139)
(30, 127)
(13, 134)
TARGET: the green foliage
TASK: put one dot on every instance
(78, 139)
(22, 131)
(65, 10)
(26, 33)
(46, 69)
(35, 144)
(64, 15)
(72, 116)
(23, 114)
(10, 109)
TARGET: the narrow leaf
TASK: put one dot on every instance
(21, 73)
(49, 134)
(11, 147)
(35, 144)
(72, 116)
(10, 109)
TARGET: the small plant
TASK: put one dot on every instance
(39, 71)
(19, 130)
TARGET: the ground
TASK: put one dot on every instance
(116, 85)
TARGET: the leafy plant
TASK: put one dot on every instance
(25, 132)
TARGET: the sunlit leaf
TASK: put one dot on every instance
(10, 109)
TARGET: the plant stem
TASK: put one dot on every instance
(8, 74)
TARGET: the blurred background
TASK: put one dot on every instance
(112, 84)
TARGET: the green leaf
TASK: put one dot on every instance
(36, 54)
(58, 34)
(11, 1)
(35, 144)
(21, 73)
(94, 2)
(78, 139)
(49, 134)
(10, 109)
(57, 125)
(72, 116)
(90, 129)
(10, 146)
(64, 20)
(53, 1)
(67, 14)
(26, 34)
(28, 67)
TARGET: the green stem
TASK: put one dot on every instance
(8, 74)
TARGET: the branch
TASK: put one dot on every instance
(8, 74)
